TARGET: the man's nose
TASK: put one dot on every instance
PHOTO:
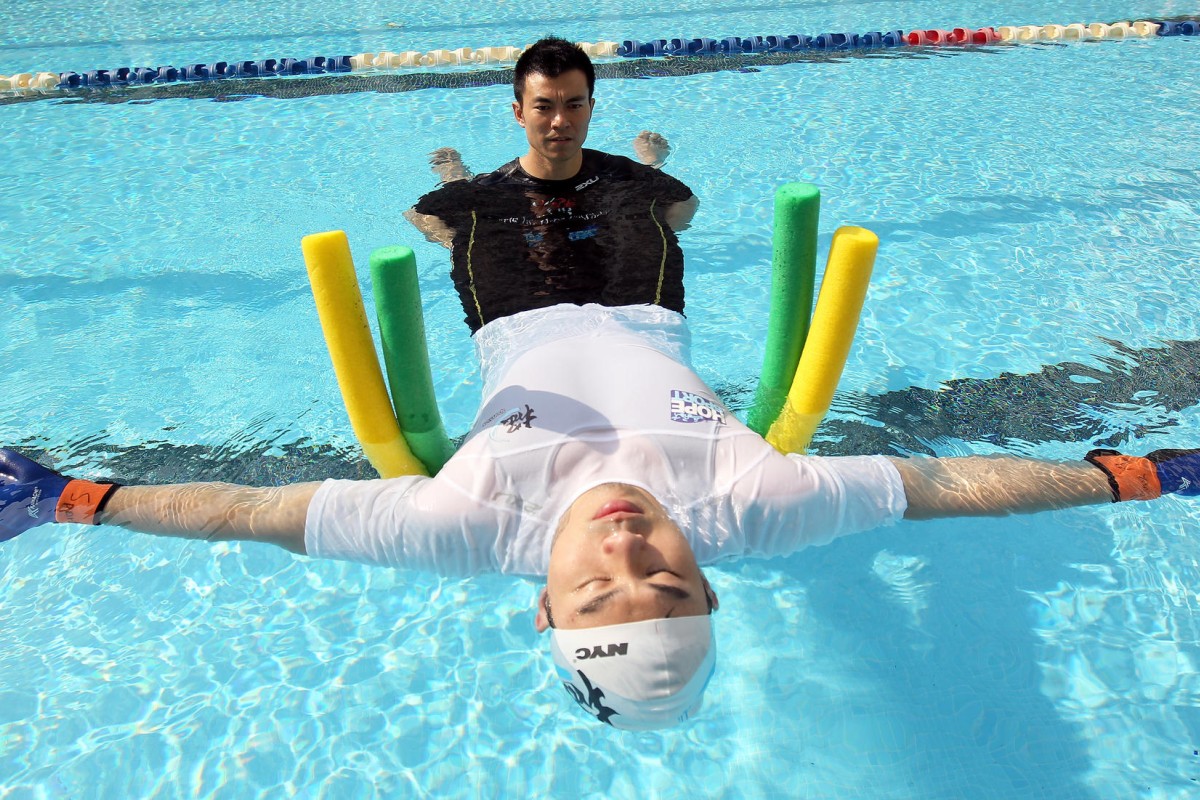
(624, 544)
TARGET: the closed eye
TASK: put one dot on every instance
(598, 603)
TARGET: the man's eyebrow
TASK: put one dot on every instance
(579, 98)
(597, 603)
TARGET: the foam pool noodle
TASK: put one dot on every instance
(843, 290)
(793, 270)
(352, 350)
(406, 355)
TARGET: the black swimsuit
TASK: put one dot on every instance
(601, 237)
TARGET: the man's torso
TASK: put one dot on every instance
(522, 243)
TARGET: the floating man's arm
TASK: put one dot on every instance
(215, 512)
(1001, 485)
(33, 495)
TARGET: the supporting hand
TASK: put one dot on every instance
(651, 148)
(33, 495)
(448, 165)
(1145, 478)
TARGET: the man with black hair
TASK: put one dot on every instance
(560, 224)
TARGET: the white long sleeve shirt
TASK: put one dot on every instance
(578, 396)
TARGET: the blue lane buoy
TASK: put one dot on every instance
(832, 41)
(676, 47)
(730, 44)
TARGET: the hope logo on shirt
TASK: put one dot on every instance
(692, 407)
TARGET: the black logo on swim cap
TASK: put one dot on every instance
(600, 651)
(593, 703)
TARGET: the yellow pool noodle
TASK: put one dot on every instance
(352, 349)
(834, 320)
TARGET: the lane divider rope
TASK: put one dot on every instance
(629, 48)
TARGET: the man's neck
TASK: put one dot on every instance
(542, 168)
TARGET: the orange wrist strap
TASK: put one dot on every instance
(81, 501)
(1131, 477)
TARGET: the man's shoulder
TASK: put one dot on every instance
(622, 168)
(506, 174)
(611, 165)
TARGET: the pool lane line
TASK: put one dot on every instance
(232, 90)
(100, 79)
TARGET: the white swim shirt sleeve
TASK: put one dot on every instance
(797, 501)
(408, 522)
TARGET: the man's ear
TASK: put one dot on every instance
(542, 622)
(518, 114)
(708, 590)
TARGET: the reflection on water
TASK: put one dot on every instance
(1138, 393)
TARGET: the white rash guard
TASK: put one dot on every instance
(577, 396)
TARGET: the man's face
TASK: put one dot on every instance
(618, 558)
(555, 113)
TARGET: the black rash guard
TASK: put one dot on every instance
(522, 243)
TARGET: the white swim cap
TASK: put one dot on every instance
(638, 675)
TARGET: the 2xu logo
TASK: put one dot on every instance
(602, 651)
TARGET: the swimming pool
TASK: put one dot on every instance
(1037, 211)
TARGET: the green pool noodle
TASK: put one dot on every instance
(793, 272)
(406, 355)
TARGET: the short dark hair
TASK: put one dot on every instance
(552, 57)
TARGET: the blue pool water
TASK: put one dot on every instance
(1034, 294)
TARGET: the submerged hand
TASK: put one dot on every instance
(651, 148)
(448, 165)
(1145, 478)
(33, 495)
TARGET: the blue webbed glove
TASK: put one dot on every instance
(33, 495)
(1145, 478)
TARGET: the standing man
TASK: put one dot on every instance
(560, 224)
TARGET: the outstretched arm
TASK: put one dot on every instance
(983, 486)
(214, 512)
(33, 495)
(979, 486)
